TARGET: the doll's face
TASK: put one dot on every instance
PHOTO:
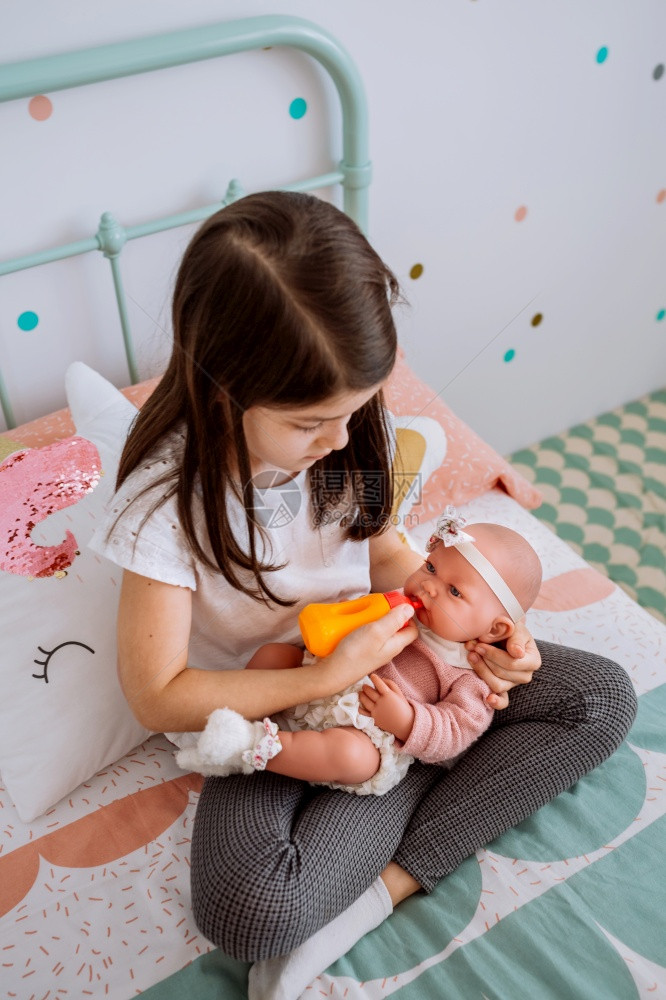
(458, 604)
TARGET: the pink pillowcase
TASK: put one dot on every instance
(59, 424)
(471, 467)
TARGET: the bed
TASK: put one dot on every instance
(96, 816)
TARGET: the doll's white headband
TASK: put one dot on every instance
(449, 532)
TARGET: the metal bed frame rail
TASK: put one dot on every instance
(107, 62)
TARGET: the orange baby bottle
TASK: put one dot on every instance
(324, 625)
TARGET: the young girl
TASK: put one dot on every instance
(427, 702)
(283, 338)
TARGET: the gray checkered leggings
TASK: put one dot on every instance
(274, 859)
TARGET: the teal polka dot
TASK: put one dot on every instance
(524, 457)
(298, 107)
(597, 515)
(602, 54)
(576, 497)
(602, 482)
(28, 321)
(620, 574)
(553, 444)
(510, 354)
(571, 533)
(550, 476)
(648, 597)
(652, 555)
(596, 553)
(627, 500)
(630, 468)
(603, 448)
(655, 486)
(609, 420)
(661, 314)
(626, 536)
(546, 512)
(582, 431)
(577, 462)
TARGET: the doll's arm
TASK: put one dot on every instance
(443, 730)
(388, 707)
(275, 656)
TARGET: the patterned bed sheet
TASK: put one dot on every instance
(95, 896)
(604, 489)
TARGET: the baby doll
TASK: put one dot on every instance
(426, 703)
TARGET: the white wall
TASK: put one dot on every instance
(477, 108)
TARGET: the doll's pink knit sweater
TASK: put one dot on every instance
(449, 702)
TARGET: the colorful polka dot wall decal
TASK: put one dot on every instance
(602, 54)
(537, 319)
(658, 72)
(40, 108)
(416, 271)
(661, 314)
(27, 321)
(509, 355)
(520, 213)
(661, 197)
(298, 107)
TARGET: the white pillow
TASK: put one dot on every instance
(62, 727)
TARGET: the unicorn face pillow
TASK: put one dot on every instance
(65, 715)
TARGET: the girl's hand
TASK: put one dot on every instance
(387, 706)
(369, 647)
(504, 669)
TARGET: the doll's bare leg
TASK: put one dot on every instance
(343, 754)
(276, 656)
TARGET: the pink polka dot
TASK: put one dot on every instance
(40, 108)
(662, 195)
(520, 213)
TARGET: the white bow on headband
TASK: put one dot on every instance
(449, 532)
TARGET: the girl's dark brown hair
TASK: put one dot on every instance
(279, 301)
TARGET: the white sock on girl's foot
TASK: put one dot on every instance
(285, 978)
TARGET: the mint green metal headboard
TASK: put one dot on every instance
(107, 62)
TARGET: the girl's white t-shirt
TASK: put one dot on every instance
(228, 626)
